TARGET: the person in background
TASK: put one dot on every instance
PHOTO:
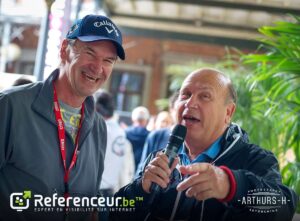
(158, 139)
(219, 174)
(163, 120)
(137, 132)
(151, 123)
(21, 81)
(52, 142)
(119, 160)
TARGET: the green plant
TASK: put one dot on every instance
(268, 87)
(275, 87)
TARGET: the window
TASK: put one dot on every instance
(127, 87)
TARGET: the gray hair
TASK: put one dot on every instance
(140, 113)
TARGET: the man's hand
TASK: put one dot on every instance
(158, 171)
(205, 181)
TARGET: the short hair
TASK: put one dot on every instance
(231, 94)
(22, 81)
(140, 113)
(72, 44)
(104, 103)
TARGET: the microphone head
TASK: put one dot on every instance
(177, 135)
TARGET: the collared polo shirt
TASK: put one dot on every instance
(205, 156)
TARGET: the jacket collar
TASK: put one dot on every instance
(43, 105)
(231, 134)
(233, 131)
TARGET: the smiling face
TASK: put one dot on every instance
(85, 66)
(204, 108)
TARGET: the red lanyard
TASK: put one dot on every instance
(62, 142)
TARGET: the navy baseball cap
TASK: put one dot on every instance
(97, 28)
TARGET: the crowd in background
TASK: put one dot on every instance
(127, 147)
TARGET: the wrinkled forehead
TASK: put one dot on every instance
(206, 79)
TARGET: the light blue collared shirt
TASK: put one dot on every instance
(205, 156)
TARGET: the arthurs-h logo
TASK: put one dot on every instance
(20, 201)
(264, 200)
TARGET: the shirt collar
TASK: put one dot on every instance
(205, 156)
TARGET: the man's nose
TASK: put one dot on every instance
(97, 66)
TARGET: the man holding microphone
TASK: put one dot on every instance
(216, 167)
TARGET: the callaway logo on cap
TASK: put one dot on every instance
(97, 28)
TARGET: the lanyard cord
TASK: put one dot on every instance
(62, 141)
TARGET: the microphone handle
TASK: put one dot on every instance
(155, 188)
(171, 152)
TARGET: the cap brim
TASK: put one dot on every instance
(120, 49)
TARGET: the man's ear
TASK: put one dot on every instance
(63, 50)
(230, 109)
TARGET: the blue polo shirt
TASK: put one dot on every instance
(205, 156)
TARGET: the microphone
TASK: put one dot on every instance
(175, 141)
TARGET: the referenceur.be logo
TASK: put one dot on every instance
(21, 201)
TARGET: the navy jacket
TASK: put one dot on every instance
(255, 171)
(156, 140)
(137, 137)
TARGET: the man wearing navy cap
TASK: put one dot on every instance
(52, 144)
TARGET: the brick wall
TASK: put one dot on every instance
(149, 51)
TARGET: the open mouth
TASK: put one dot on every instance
(190, 119)
(90, 77)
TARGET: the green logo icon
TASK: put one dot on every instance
(20, 201)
